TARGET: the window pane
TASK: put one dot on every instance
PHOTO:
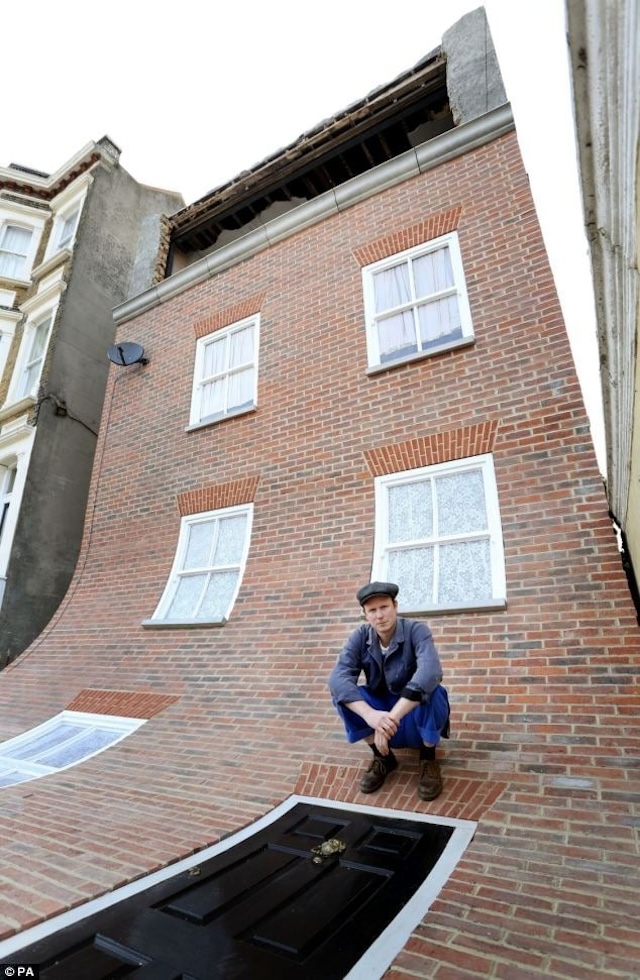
(397, 336)
(230, 542)
(215, 357)
(240, 389)
(14, 248)
(48, 740)
(14, 777)
(439, 319)
(29, 380)
(218, 595)
(212, 399)
(39, 340)
(16, 240)
(185, 599)
(241, 347)
(199, 543)
(10, 479)
(391, 287)
(412, 569)
(433, 272)
(410, 511)
(92, 741)
(465, 572)
(67, 229)
(461, 503)
(12, 266)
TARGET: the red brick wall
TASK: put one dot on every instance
(549, 680)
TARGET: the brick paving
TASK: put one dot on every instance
(547, 888)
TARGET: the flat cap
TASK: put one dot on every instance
(376, 588)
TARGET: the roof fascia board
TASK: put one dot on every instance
(47, 183)
(435, 151)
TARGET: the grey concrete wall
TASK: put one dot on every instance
(114, 252)
(474, 81)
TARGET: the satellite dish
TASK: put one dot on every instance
(126, 353)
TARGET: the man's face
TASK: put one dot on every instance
(381, 613)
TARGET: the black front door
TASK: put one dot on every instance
(263, 908)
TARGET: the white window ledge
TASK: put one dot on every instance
(50, 264)
(13, 408)
(15, 282)
(445, 609)
(205, 423)
(182, 624)
(421, 355)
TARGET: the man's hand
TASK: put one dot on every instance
(384, 725)
(384, 728)
(381, 742)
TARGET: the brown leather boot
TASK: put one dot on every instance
(377, 772)
(430, 784)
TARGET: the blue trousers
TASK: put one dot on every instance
(426, 724)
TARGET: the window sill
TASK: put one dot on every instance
(51, 263)
(421, 355)
(14, 282)
(206, 423)
(446, 609)
(14, 408)
(182, 624)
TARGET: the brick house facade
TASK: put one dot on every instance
(542, 679)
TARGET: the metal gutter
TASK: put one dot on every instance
(447, 146)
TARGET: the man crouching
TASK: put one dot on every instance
(402, 704)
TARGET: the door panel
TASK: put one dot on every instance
(263, 908)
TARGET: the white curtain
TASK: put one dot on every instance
(199, 545)
(391, 288)
(241, 382)
(433, 273)
(241, 347)
(396, 333)
(38, 343)
(439, 319)
(215, 358)
(212, 400)
(67, 229)
(228, 388)
(240, 388)
(230, 543)
(14, 247)
(212, 395)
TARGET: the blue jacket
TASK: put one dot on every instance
(411, 669)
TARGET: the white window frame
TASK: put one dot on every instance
(35, 765)
(27, 257)
(72, 217)
(43, 322)
(67, 204)
(16, 443)
(178, 571)
(8, 321)
(380, 572)
(199, 380)
(31, 219)
(459, 290)
(8, 477)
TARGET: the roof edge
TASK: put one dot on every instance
(455, 142)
